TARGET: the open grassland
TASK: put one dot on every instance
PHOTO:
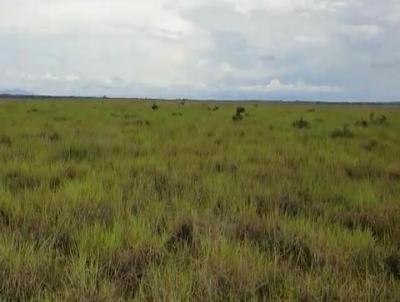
(115, 200)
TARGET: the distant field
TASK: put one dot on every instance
(109, 200)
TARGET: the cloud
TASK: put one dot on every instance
(309, 39)
(288, 6)
(363, 31)
(72, 78)
(50, 77)
(277, 86)
(205, 49)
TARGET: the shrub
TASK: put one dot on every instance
(373, 221)
(394, 175)
(223, 280)
(240, 110)
(253, 231)
(16, 181)
(239, 114)
(64, 243)
(271, 238)
(237, 118)
(362, 123)
(54, 183)
(126, 267)
(377, 121)
(5, 141)
(342, 133)
(364, 170)
(392, 265)
(371, 144)
(372, 117)
(381, 120)
(288, 206)
(61, 119)
(300, 124)
(227, 167)
(4, 218)
(182, 236)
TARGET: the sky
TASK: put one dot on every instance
(342, 50)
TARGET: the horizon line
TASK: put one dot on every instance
(105, 97)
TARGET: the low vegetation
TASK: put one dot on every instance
(344, 132)
(300, 124)
(109, 200)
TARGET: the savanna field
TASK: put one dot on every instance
(112, 200)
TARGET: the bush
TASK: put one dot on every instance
(182, 236)
(5, 140)
(371, 144)
(126, 267)
(300, 124)
(344, 132)
(377, 121)
(270, 237)
(240, 110)
(392, 265)
(362, 123)
(239, 114)
(4, 219)
(17, 181)
(236, 118)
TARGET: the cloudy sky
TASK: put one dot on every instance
(222, 49)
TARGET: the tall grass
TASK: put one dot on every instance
(130, 200)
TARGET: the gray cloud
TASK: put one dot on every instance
(289, 49)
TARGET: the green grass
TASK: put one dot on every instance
(113, 200)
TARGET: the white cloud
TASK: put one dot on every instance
(202, 47)
(92, 17)
(50, 77)
(363, 30)
(289, 6)
(72, 78)
(310, 39)
(277, 86)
